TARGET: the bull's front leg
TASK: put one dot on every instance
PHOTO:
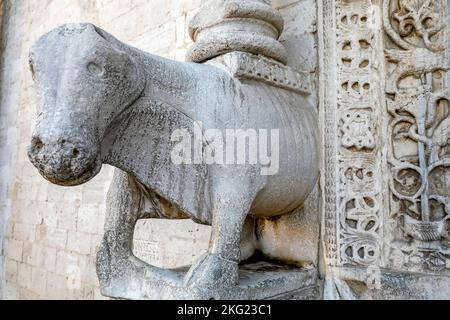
(232, 194)
(120, 273)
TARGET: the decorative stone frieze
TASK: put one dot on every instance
(252, 67)
(353, 145)
(384, 112)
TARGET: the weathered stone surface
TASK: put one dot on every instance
(2, 218)
(381, 65)
(126, 105)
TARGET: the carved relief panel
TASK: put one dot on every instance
(359, 155)
(417, 97)
(386, 116)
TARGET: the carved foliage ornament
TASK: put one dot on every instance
(416, 23)
(419, 150)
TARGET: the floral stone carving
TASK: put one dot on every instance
(419, 110)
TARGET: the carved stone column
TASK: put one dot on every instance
(417, 95)
(239, 25)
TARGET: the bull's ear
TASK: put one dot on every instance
(102, 33)
(109, 38)
(118, 45)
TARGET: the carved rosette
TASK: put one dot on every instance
(417, 92)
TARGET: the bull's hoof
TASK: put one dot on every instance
(212, 271)
(121, 276)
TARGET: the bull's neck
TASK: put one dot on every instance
(168, 83)
(171, 82)
(176, 95)
(139, 140)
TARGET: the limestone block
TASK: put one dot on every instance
(87, 221)
(78, 242)
(11, 272)
(65, 262)
(54, 237)
(24, 275)
(39, 281)
(49, 259)
(56, 286)
(14, 249)
(170, 244)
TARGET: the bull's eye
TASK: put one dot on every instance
(95, 69)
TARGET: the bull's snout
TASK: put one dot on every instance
(63, 161)
(69, 149)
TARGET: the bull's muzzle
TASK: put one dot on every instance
(63, 161)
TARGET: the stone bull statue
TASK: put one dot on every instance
(102, 101)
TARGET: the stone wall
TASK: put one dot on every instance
(51, 233)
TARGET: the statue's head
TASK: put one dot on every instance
(84, 80)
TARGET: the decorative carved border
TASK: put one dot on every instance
(359, 120)
(385, 112)
(327, 109)
(245, 65)
(351, 104)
